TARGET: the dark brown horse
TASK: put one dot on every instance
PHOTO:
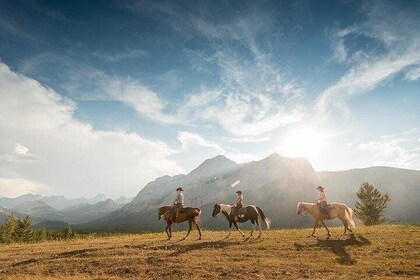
(250, 212)
(190, 214)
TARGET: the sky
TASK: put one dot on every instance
(106, 96)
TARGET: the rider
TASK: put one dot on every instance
(322, 202)
(178, 203)
(239, 203)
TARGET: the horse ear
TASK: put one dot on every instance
(215, 205)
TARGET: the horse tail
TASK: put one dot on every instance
(349, 215)
(197, 211)
(266, 220)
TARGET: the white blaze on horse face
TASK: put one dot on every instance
(299, 208)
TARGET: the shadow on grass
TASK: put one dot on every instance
(338, 247)
(182, 249)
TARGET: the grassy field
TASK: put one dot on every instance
(383, 252)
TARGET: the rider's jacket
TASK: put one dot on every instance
(321, 197)
(179, 199)
(239, 199)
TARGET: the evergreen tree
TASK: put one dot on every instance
(370, 205)
(8, 230)
(26, 233)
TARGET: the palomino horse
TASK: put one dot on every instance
(336, 210)
(246, 213)
(190, 214)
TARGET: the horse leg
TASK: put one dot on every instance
(236, 225)
(328, 231)
(170, 230)
(253, 227)
(189, 229)
(259, 225)
(316, 223)
(230, 229)
(167, 230)
(198, 228)
(345, 226)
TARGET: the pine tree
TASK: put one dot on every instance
(371, 205)
(8, 229)
(26, 233)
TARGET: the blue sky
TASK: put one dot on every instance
(105, 96)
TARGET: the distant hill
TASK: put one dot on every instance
(40, 209)
(5, 213)
(55, 225)
(9, 203)
(275, 183)
(122, 200)
(88, 212)
(58, 202)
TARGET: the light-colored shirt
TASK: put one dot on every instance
(240, 199)
(179, 199)
(321, 197)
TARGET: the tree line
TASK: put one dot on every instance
(21, 230)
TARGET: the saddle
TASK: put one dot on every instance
(240, 213)
(325, 210)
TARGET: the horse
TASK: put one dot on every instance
(246, 213)
(190, 214)
(336, 210)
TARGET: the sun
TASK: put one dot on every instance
(303, 142)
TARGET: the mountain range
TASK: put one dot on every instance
(57, 211)
(275, 183)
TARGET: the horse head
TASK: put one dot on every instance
(216, 210)
(299, 208)
(162, 211)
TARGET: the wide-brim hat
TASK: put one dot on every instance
(320, 188)
(180, 189)
(239, 192)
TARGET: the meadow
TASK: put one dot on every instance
(382, 252)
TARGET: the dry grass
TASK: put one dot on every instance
(381, 252)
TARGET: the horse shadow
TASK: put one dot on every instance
(183, 249)
(338, 247)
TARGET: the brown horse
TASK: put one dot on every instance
(336, 210)
(190, 214)
(250, 212)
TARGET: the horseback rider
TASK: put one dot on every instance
(322, 202)
(178, 203)
(239, 203)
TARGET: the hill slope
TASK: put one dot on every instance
(383, 252)
(40, 209)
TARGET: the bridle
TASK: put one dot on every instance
(310, 211)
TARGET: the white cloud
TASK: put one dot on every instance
(117, 56)
(84, 82)
(194, 150)
(253, 97)
(413, 74)
(188, 139)
(78, 158)
(18, 186)
(391, 27)
(20, 154)
(397, 150)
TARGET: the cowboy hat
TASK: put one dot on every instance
(239, 192)
(180, 189)
(320, 188)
